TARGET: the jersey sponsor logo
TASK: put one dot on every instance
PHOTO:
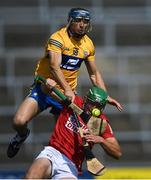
(73, 61)
(72, 125)
(70, 62)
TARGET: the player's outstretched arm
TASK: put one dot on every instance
(96, 79)
(95, 75)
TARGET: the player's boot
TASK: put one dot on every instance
(16, 143)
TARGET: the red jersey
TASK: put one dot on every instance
(66, 137)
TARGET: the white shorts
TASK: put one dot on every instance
(62, 167)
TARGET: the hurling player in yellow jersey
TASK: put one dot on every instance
(65, 51)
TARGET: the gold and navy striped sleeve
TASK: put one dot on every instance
(55, 43)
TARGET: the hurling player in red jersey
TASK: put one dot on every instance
(63, 157)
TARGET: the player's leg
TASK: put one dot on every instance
(27, 110)
(40, 169)
(36, 102)
(50, 163)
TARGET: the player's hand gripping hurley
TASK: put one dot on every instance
(94, 166)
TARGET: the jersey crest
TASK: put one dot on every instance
(75, 51)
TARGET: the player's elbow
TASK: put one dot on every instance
(54, 67)
(118, 155)
(93, 78)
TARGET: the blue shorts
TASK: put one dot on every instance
(44, 100)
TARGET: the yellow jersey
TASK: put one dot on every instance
(73, 54)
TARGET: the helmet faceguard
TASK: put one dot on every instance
(95, 98)
(79, 13)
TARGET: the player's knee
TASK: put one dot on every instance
(37, 173)
(31, 175)
(19, 121)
